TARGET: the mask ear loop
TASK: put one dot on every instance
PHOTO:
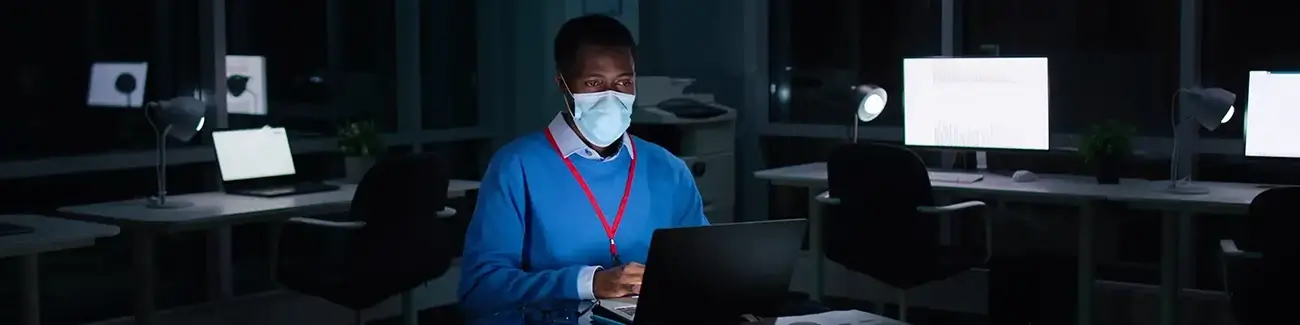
(568, 108)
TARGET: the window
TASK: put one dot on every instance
(1109, 59)
(47, 113)
(327, 62)
(448, 62)
(1239, 36)
(821, 48)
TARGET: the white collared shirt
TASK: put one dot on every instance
(570, 143)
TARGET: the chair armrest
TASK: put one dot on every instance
(988, 221)
(329, 224)
(447, 212)
(1230, 249)
(825, 198)
(950, 208)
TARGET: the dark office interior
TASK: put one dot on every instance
(461, 78)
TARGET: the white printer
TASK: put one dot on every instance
(698, 130)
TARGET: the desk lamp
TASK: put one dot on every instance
(1210, 107)
(869, 107)
(180, 118)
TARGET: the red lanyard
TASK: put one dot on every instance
(610, 229)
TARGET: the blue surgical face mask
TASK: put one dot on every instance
(602, 117)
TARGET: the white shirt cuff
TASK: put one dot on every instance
(586, 277)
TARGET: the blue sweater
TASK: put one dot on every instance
(534, 229)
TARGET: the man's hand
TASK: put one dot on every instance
(618, 282)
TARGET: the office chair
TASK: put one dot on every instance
(393, 242)
(1258, 268)
(883, 221)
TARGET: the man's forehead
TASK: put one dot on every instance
(605, 58)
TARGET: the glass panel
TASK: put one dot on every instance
(448, 63)
(331, 63)
(51, 90)
(820, 49)
(1109, 59)
(1239, 36)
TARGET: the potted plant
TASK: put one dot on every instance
(1106, 148)
(361, 145)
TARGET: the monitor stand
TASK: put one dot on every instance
(964, 160)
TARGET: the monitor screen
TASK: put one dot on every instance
(245, 85)
(1272, 108)
(990, 103)
(253, 153)
(117, 84)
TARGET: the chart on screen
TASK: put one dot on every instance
(1272, 110)
(995, 103)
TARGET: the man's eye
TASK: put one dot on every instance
(623, 83)
(592, 83)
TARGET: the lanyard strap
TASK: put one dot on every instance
(610, 229)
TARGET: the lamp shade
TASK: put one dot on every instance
(183, 116)
(872, 102)
(1209, 106)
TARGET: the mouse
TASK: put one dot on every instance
(1024, 176)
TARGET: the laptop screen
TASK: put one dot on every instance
(253, 153)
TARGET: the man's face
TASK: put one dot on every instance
(600, 68)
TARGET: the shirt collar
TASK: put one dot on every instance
(570, 143)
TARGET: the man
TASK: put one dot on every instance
(567, 212)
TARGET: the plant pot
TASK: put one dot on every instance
(355, 167)
(1107, 168)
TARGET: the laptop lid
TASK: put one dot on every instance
(253, 155)
(720, 271)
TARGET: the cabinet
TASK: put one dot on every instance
(707, 145)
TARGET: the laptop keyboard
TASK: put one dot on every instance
(629, 310)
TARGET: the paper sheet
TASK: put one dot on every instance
(838, 317)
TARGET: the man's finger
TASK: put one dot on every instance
(633, 270)
(629, 279)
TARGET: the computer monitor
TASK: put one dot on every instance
(253, 153)
(1272, 111)
(117, 84)
(981, 103)
(246, 85)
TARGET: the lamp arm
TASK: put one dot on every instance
(1176, 122)
(161, 167)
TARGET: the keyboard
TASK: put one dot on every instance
(629, 310)
(955, 177)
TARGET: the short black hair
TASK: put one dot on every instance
(600, 30)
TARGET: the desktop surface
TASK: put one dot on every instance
(9, 229)
(1272, 109)
(990, 103)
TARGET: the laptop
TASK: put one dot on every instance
(712, 273)
(258, 162)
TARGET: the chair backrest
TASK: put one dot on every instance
(401, 188)
(875, 229)
(1269, 223)
(1254, 284)
(404, 243)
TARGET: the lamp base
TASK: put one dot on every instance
(153, 203)
(1186, 190)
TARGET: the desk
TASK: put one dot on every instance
(1176, 247)
(215, 212)
(1070, 189)
(48, 235)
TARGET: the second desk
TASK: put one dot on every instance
(216, 213)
